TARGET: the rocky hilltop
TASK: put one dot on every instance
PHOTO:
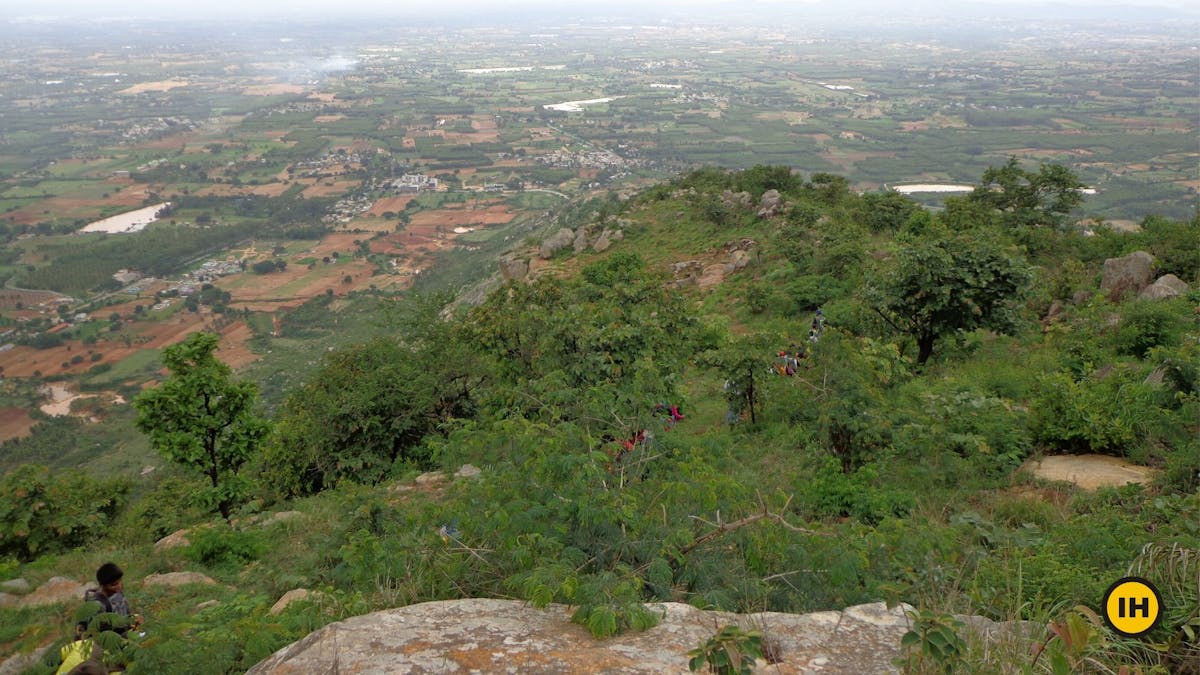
(505, 636)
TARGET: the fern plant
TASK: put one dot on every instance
(731, 651)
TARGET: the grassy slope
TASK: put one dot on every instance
(941, 529)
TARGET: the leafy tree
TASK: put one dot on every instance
(371, 405)
(944, 283)
(43, 512)
(1029, 199)
(201, 418)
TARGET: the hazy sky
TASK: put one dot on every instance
(218, 8)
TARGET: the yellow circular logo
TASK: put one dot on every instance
(1132, 606)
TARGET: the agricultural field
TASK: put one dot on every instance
(419, 156)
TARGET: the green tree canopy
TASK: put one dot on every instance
(1026, 198)
(203, 419)
(943, 283)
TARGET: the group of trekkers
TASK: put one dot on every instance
(788, 360)
(668, 414)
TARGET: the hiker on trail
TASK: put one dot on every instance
(671, 416)
(111, 596)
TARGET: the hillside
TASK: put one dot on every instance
(928, 359)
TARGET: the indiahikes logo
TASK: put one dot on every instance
(1132, 606)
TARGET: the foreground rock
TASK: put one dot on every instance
(504, 636)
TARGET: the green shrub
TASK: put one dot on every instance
(46, 512)
(222, 547)
(1148, 324)
(1110, 416)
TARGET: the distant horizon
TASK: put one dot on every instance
(306, 9)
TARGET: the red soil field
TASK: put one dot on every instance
(493, 214)
(15, 423)
(394, 204)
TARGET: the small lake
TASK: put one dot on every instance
(125, 223)
(578, 106)
(932, 187)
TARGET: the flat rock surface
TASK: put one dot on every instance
(1091, 471)
(505, 636)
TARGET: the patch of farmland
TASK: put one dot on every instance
(15, 423)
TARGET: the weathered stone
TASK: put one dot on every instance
(57, 590)
(739, 259)
(736, 200)
(1055, 310)
(176, 539)
(1080, 297)
(18, 586)
(147, 470)
(175, 579)
(9, 600)
(602, 243)
(1128, 274)
(511, 637)
(19, 663)
(280, 517)
(770, 204)
(557, 242)
(687, 267)
(581, 240)
(468, 471)
(206, 604)
(616, 235)
(513, 268)
(1168, 286)
(288, 598)
(430, 478)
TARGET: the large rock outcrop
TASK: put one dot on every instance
(1127, 274)
(505, 636)
(556, 242)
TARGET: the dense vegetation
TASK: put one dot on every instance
(954, 347)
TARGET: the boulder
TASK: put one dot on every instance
(175, 579)
(18, 586)
(468, 471)
(176, 539)
(206, 604)
(1168, 286)
(687, 268)
(602, 242)
(738, 261)
(770, 204)
(737, 200)
(1128, 274)
(556, 242)
(513, 268)
(288, 598)
(461, 636)
(1055, 310)
(57, 590)
(616, 235)
(581, 240)
(9, 600)
(430, 478)
(19, 663)
(280, 517)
